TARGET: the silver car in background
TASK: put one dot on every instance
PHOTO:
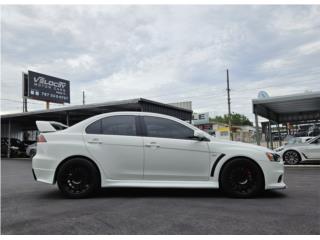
(299, 152)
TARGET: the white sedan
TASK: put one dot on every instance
(296, 153)
(140, 149)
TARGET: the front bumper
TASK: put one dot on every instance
(274, 176)
(34, 175)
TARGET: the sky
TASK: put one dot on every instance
(167, 53)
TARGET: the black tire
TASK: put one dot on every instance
(291, 157)
(78, 178)
(241, 178)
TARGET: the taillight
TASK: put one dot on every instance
(41, 139)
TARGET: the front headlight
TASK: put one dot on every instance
(273, 157)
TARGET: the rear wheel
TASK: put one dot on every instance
(78, 178)
(241, 178)
(291, 157)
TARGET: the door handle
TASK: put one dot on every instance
(95, 141)
(152, 144)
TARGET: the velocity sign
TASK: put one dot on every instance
(48, 88)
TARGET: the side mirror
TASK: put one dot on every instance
(200, 136)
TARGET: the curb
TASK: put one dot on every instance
(302, 166)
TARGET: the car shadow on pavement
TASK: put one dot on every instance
(162, 193)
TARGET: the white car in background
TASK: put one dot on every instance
(297, 140)
(140, 149)
(299, 152)
(31, 150)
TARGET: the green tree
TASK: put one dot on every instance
(236, 119)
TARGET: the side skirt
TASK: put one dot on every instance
(160, 184)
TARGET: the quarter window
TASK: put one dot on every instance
(165, 128)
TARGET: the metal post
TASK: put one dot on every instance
(47, 105)
(67, 118)
(280, 142)
(83, 98)
(24, 105)
(24, 92)
(9, 140)
(270, 135)
(257, 129)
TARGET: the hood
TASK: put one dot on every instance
(241, 145)
(296, 145)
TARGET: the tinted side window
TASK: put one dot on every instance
(94, 128)
(119, 125)
(165, 128)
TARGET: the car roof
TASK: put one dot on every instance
(80, 125)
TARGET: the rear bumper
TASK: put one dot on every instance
(43, 168)
(43, 175)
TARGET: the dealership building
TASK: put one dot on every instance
(17, 124)
(39, 86)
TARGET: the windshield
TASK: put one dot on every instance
(313, 139)
(295, 140)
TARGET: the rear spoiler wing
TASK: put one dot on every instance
(50, 126)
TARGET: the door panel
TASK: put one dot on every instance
(113, 141)
(171, 153)
(176, 159)
(120, 156)
(313, 151)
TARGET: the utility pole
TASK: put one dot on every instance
(229, 105)
(83, 98)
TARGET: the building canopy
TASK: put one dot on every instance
(293, 108)
(73, 114)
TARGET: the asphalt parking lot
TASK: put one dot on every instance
(29, 207)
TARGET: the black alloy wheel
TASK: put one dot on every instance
(78, 178)
(291, 157)
(241, 178)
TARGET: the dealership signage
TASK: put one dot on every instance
(200, 118)
(46, 88)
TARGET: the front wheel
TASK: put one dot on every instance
(291, 157)
(241, 178)
(78, 178)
